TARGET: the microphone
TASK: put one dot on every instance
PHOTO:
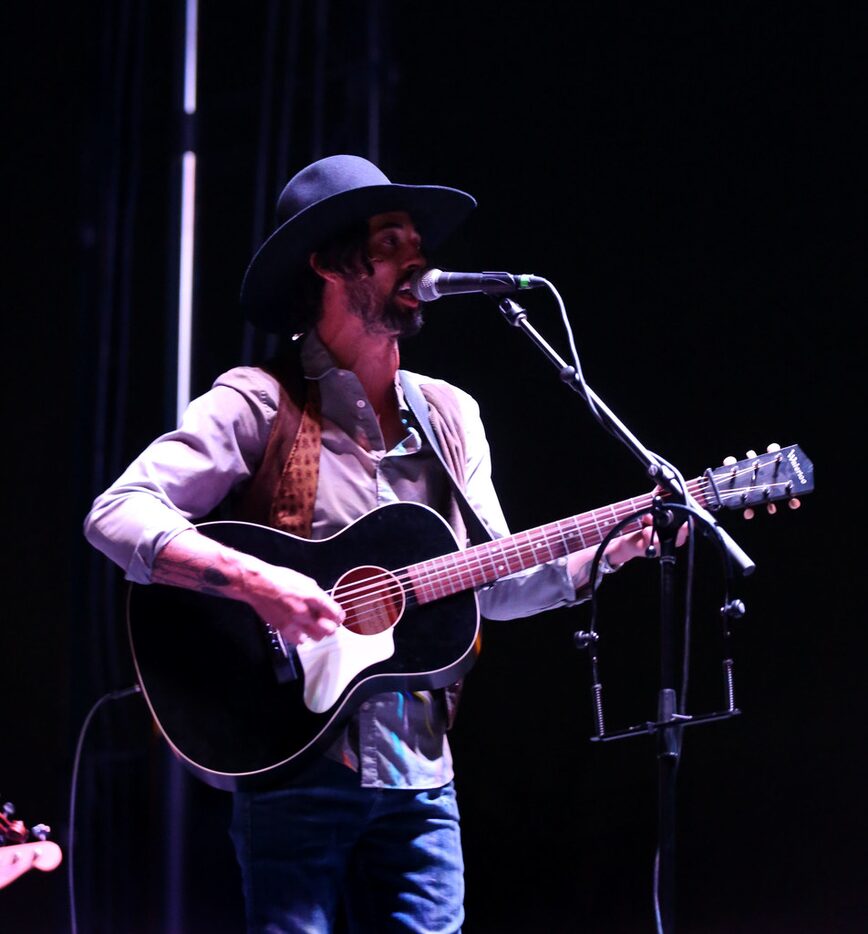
(428, 284)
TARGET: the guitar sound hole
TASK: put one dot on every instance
(372, 598)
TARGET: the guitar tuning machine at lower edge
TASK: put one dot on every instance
(40, 831)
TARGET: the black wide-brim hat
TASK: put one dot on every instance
(318, 202)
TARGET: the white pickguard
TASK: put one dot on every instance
(330, 664)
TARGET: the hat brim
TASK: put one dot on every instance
(267, 288)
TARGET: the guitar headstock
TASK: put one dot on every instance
(23, 848)
(761, 480)
(16, 831)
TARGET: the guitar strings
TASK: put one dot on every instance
(446, 576)
(449, 573)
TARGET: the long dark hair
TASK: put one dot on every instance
(346, 253)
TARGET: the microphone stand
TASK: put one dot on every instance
(657, 470)
(669, 723)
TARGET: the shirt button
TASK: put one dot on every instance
(360, 403)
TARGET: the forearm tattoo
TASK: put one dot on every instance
(194, 573)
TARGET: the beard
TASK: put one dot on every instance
(382, 315)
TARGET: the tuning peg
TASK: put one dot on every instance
(729, 461)
(750, 454)
(748, 513)
(794, 503)
(773, 448)
(771, 509)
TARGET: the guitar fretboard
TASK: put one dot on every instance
(486, 563)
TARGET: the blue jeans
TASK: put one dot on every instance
(389, 858)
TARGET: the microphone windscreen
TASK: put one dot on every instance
(423, 284)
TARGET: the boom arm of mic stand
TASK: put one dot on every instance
(659, 473)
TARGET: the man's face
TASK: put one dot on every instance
(383, 300)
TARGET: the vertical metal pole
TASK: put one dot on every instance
(175, 781)
(669, 737)
(188, 212)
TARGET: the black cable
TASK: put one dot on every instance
(70, 862)
(688, 615)
(677, 486)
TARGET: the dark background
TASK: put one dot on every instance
(691, 179)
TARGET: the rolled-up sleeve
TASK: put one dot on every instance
(184, 474)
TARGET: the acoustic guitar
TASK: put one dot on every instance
(242, 710)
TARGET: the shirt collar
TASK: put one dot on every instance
(318, 363)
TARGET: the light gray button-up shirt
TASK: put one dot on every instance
(395, 740)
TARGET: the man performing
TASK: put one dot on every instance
(368, 830)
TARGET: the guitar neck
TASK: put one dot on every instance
(486, 563)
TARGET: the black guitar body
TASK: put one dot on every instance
(232, 705)
(241, 714)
